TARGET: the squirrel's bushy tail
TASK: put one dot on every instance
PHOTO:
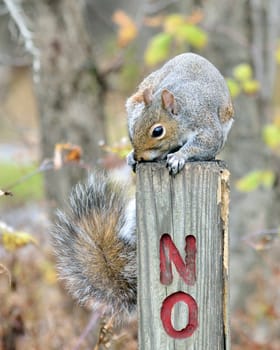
(95, 245)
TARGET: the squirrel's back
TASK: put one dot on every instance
(190, 77)
(186, 67)
(95, 245)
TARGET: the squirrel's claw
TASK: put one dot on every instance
(175, 162)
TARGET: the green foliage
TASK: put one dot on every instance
(130, 72)
(263, 178)
(30, 189)
(172, 22)
(256, 179)
(243, 81)
(277, 55)
(120, 148)
(234, 87)
(250, 87)
(271, 136)
(191, 34)
(243, 72)
(177, 32)
(158, 48)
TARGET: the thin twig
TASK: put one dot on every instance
(4, 270)
(47, 164)
(95, 317)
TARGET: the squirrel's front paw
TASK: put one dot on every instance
(131, 161)
(175, 162)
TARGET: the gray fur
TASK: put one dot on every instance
(203, 117)
(83, 257)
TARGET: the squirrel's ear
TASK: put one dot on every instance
(168, 101)
(147, 96)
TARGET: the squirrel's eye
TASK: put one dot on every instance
(158, 131)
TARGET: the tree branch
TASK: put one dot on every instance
(17, 15)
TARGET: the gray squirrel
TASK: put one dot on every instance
(181, 112)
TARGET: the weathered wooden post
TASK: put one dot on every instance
(183, 257)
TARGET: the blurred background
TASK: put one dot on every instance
(67, 67)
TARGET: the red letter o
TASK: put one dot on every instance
(166, 311)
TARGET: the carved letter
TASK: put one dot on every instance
(169, 252)
(166, 311)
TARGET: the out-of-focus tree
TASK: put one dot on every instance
(70, 90)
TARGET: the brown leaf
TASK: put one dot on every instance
(65, 153)
(12, 240)
(196, 17)
(4, 270)
(127, 30)
(74, 154)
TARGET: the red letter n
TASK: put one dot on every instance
(169, 253)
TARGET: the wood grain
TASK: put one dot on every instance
(195, 202)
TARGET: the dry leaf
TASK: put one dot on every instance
(12, 239)
(57, 158)
(17, 239)
(196, 17)
(4, 270)
(74, 154)
(65, 153)
(127, 30)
